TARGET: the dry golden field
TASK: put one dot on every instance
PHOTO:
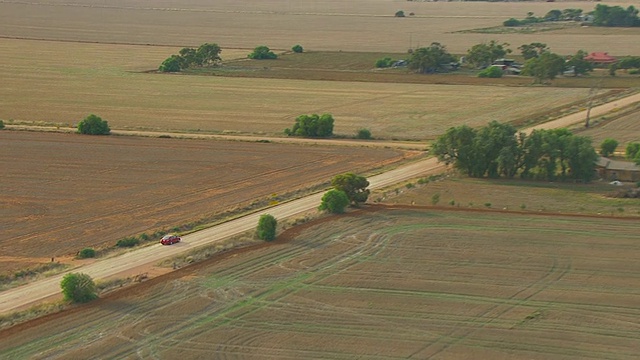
(624, 128)
(361, 25)
(100, 80)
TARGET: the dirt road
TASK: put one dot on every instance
(35, 292)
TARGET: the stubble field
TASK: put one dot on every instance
(361, 25)
(64, 192)
(380, 285)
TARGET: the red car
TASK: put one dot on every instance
(170, 239)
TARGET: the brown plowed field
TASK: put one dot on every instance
(64, 192)
(394, 284)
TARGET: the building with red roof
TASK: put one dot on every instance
(600, 58)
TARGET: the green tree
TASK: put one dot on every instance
(297, 49)
(581, 158)
(608, 147)
(399, 13)
(364, 134)
(187, 58)
(571, 14)
(604, 15)
(632, 150)
(579, 65)
(430, 59)
(171, 64)
(545, 67)
(267, 227)
(208, 54)
(628, 62)
(334, 201)
(87, 253)
(78, 287)
(261, 53)
(1, 124)
(553, 15)
(93, 125)
(312, 126)
(533, 50)
(456, 147)
(384, 62)
(353, 185)
(482, 55)
(491, 72)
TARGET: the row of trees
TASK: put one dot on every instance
(499, 150)
(314, 126)
(552, 15)
(604, 15)
(205, 55)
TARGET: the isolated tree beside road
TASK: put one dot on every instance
(78, 287)
(261, 53)
(334, 201)
(93, 125)
(267, 225)
(354, 186)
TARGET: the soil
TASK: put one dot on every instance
(432, 283)
(65, 192)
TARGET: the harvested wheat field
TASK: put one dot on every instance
(67, 92)
(388, 284)
(624, 128)
(596, 198)
(64, 192)
(316, 24)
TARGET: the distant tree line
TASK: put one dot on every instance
(603, 15)
(313, 126)
(498, 150)
(616, 16)
(205, 55)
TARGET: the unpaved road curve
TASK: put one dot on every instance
(17, 298)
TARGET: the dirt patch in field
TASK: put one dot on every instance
(429, 282)
(64, 192)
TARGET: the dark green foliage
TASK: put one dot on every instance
(629, 62)
(261, 53)
(491, 72)
(579, 65)
(553, 15)
(205, 55)
(533, 50)
(632, 151)
(334, 201)
(384, 62)
(297, 49)
(78, 287)
(499, 150)
(353, 185)
(511, 22)
(93, 125)
(399, 13)
(267, 227)
(608, 147)
(544, 67)
(1, 124)
(314, 125)
(482, 55)
(128, 242)
(434, 58)
(364, 134)
(87, 253)
(171, 64)
(604, 15)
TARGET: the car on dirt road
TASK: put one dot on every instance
(170, 239)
